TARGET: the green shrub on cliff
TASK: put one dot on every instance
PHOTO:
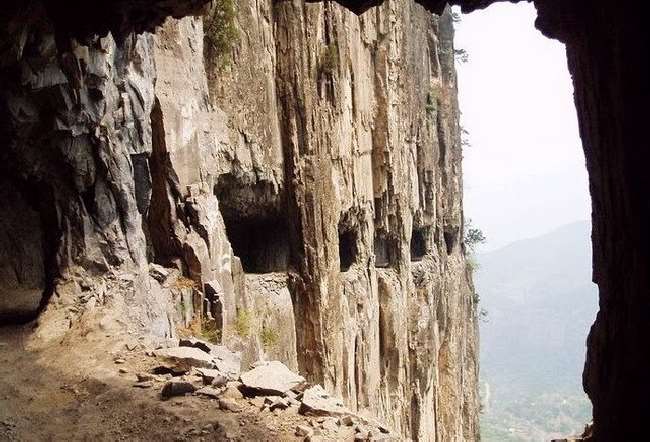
(432, 99)
(210, 332)
(329, 59)
(269, 337)
(243, 322)
(473, 236)
(220, 32)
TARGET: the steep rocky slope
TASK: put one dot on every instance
(309, 195)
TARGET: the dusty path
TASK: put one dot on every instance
(74, 390)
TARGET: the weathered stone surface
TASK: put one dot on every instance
(186, 357)
(329, 425)
(274, 187)
(274, 313)
(195, 343)
(232, 391)
(97, 129)
(213, 377)
(208, 391)
(258, 402)
(274, 402)
(159, 273)
(226, 361)
(144, 377)
(602, 41)
(229, 405)
(176, 388)
(317, 402)
(272, 378)
(304, 431)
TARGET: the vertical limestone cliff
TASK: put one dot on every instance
(338, 180)
(309, 192)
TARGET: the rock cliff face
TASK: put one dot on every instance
(343, 136)
(309, 192)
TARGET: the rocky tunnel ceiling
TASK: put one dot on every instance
(80, 18)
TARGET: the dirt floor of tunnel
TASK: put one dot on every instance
(74, 390)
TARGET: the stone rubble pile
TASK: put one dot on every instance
(200, 368)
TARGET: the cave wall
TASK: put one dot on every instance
(611, 92)
(75, 125)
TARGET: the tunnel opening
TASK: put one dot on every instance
(29, 237)
(348, 249)
(419, 241)
(386, 250)
(262, 243)
(450, 235)
(256, 220)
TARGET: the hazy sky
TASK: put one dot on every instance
(524, 171)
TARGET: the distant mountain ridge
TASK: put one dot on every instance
(540, 302)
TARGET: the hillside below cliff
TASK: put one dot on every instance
(533, 343)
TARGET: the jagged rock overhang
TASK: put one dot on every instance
(80, 18)
(555, 18)
(435, 6)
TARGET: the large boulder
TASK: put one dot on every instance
(271, 378)
(317, 402)
(186, 357)
(226, 361)
(176, 388)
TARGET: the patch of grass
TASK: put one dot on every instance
(432, 99)
(184, 282)
(183, 308)
(329, 59)
(210, 332)
(243, 322)
(220, 32)
(269, 337)
(193, 329)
